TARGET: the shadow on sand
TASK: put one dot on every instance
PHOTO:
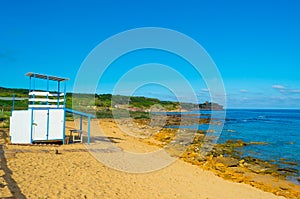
(106, 139)
(11, 183)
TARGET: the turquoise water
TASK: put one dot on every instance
(280, 129)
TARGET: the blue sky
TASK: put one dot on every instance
(255, 44)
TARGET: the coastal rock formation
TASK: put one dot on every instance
(227, 161)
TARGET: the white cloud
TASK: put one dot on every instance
(285, 90)
(295, 91)
(205, 90)
(278, 98)
(243, 91)
(278, 87)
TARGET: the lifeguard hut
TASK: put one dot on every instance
(45, 118)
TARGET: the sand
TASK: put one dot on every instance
(39, 172)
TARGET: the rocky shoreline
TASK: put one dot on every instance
(225, 160)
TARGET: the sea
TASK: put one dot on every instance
(279, 129)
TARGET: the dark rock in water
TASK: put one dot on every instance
(282, 159)
(298, 180)
(250, 159)
(257, 143)
(288, 170)
(291, 143)
(235, 143)
(241, 143)
(289, 163)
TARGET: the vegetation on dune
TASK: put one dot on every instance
(9, 92)
(7, 104)
(106, 105)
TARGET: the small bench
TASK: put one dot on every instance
(76, 135)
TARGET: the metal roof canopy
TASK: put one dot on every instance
(42, 76)
(80, 113)
(89, 116)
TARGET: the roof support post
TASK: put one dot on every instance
(65, 93)
(33, 87)
(29, 90)
(80, 123)
(89, 129)
(58, 93)
(47, 95)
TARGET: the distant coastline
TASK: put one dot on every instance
(108, 101)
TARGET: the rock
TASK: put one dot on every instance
(2, 173)
(291, 143)
(196, 149)
(219, 165)
(238, 170)
(257, 143)
(227, 161)
(283, 187)
(288, 170)
(250, 159)
(256, 168)
(235, 143)
(201, 158)
(289, 163)
(242, 161)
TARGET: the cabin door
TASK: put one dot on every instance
(39, 126)
(56, 124)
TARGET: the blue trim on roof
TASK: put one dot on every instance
(44, 76)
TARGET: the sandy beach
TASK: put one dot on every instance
(70, 171)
